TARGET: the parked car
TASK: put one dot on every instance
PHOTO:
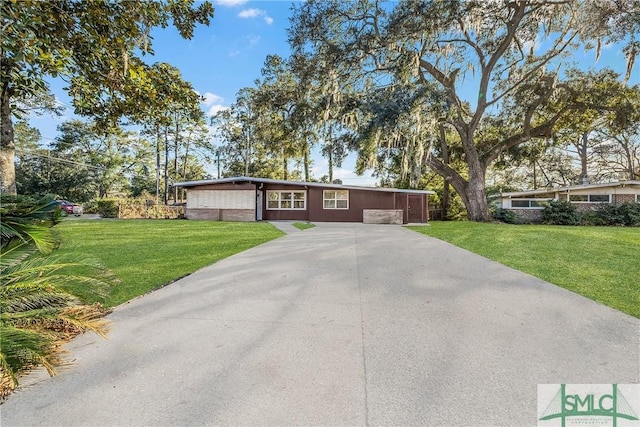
(69, 208)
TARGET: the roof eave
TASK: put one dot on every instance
(569, 188)
(190, 184)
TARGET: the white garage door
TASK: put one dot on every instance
(221, 199)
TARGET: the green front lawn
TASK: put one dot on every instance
(601, 263)
(147, 254)
(303, 225)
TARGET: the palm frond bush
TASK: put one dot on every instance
(36, 313)
(28, 220)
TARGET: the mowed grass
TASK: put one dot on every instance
(600, 263)
(303, 225)
(147, 254)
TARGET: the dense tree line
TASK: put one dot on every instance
(84, 162)
(391, 82)
(455, 95)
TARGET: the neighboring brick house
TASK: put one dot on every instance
(528, 205)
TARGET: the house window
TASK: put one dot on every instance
(590, 198)
(637, 198)
(528, 203)
(287, 200)
(335, 199)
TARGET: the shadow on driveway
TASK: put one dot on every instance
(341, 324)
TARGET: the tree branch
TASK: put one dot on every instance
(448, 173)
(544, 130)
(551, 54)
(473, 44)
(512, 27)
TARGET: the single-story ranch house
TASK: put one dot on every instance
(529, 204)
(256, 199)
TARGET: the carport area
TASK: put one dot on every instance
(341, 324)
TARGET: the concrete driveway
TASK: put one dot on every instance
(342, 324)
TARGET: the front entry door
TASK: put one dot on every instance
(415, 214)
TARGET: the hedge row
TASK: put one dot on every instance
(135, 208)
(558, 212)
(564, 213)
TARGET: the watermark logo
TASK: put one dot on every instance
(564, 405)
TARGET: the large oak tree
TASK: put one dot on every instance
(498, 66)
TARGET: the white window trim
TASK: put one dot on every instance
(336, 200)
(292, 200)
(589, 197)
(529, 200)
(637, 198)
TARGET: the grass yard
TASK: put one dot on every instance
(303, 225)
(147, 254)
(600, 263)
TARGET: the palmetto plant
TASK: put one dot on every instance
(28, 220)
(36, 313)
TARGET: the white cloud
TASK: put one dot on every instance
(250, 13)
(215, 109)
(212, 98)
(231, 3)
(243, 44)
(253, 40)
(256, 13)
(213, 102)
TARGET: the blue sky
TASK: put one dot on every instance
(229, 54)
(220, 60)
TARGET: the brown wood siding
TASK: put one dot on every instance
(283, 214)
(401, 203)
(358, 200)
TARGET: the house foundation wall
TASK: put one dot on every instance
(586, 207)
(382, 216)
(531, 215)
(243, 215)
(623, 198)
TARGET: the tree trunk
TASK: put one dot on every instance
(7, 145)
(471, 191)
(475, 194)
(247, 156)
(631, 173)
(582, 147)
(218, 162)
(157, 163)
(175, 161)
(306, 163)
(285, 165)
(477, 207)
(184, 170)
(446, 195)
(166, 165)
(330, 160)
